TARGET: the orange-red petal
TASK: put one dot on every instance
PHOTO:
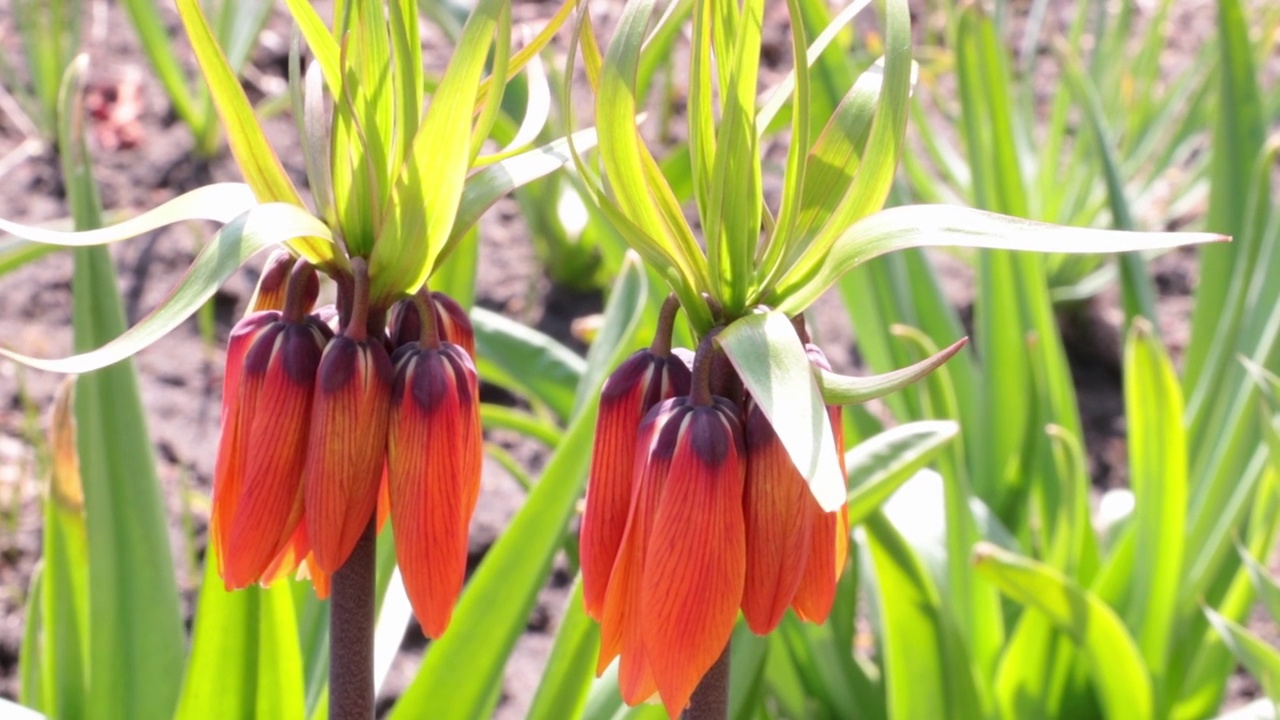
(620, 630)
(346, 446)
(828, 550)
(695, 565)
(778, 522)
(275, 395)
(434, 456)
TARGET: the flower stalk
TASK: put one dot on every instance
(710, 700)
(351, 625)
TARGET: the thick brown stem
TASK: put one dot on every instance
(710, 699)
(351, 622)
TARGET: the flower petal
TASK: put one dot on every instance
(778, 526)
(638, 384)
(620, 618)
(229, 466)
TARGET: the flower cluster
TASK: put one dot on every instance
(329, 417)
(695, 511)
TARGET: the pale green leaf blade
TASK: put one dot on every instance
(424, 199)
(220, 202)
(245, 659)
(262, 227)
(63, 600)
(849, 390)
(924, 677)
(771, 360)
(567, 679)
(1115, 661)
(321, 42)
(487, 186)
(519, 357)
(1263, 584)
(1158, 476)
(880, 464)
(909, 226)
(1260, 659)
(133, 595)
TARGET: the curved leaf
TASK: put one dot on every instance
(487, 186)
(220, 202)
(850, 390)
(771, 360)
(1260, 659)
(910, 226)
(521, 358)
(1116, 663)
(880, 464)
(261, 227)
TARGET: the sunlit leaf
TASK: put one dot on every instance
(771, 360)
(910, 226)
(261, 227)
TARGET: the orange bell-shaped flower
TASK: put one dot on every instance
(276, 388)
(434, 455)
(641, 382)
(674, 593)
(346, 445)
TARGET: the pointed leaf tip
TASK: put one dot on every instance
(848, 390)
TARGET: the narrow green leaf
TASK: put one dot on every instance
(771, 360)
(850, 390)
(879, 465)
(487, 186)
(245, 659)
(220, 202)
(925, 678)
(517, 356)
(320, 41)
(909, 226)
(134, 608)
(261, 227)
(1158, 475)
(562, 693)
(428, 187)
(1115, 661)
(1238, 135)
(1263, 584)
(874, 176)
(1261, 660)
(63, 613)
(257, 161)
